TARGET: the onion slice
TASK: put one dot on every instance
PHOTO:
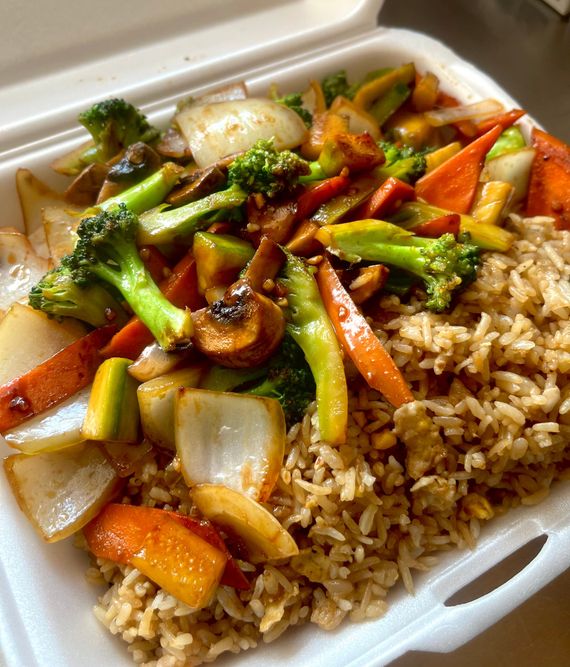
(477, 111)
(62, 491)
(236, 440)
(54, 429)
(43, 338)
(262, 534)
(153, 362)
(216, 130)
(20, 268)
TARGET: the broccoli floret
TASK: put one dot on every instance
(295, 102)
(334, 85)
(289, 380)
(106, 251)
(261, 169)
(266, 170)
(58, 295)
(402, 162)
(114, 125)
(444, 265)
(286, 377)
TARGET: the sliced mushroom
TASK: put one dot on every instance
(173, 145)
(241, 330)
(85, 187)
(196, 185)
(274, 219)
(139, 161)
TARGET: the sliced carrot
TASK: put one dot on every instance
(445, 224)
(54, 380)
(549, 188)
(155, 262)
(383, 200)
(453, 184)
(180, 562)
(359, 341)
(505, 120)
(118, 532)
(318, 194)
(181, 288)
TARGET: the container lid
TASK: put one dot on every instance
(63, 55)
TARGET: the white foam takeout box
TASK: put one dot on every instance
(58, 58)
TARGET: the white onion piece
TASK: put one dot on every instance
(43, 338)
(215, 130)
(61, 491)
(156, 403)
(20, 268)
(54, 429)
(60, 225)
(231, 92)
(477, 111)
(263, 535)
(153, 361)
(513, 168)
(236, 440)
(34, 196)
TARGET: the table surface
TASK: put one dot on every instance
(525, 46)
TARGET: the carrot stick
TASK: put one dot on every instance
(453, 184)
(387, 197)
(118, 532)
(181, 288)
(549, 188)
(155, 262)
(359, 341)
(54, 380)
(444, 224)
(505, 120)
(320, 193)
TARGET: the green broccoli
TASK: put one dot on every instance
(266, 170)
(289, 380)
(404, 163)
(106, 251)
(295, 102)
(114, 125)
(310, 327)
(58, 295)
(444, 265)
(334, 85)
(261, 169)
(286, 377)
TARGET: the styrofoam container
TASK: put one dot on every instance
(152, 55)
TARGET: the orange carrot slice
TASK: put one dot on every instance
(453, 184)
(54, 380)
(359, 341)
(118, 532)
(180, 562)
(549, 188)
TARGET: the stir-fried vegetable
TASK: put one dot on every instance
(251, 242)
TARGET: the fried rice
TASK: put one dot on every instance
(488, 431)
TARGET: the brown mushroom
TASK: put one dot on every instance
(196, 185)
(85, 187)
(241, 330)
(138, 161)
